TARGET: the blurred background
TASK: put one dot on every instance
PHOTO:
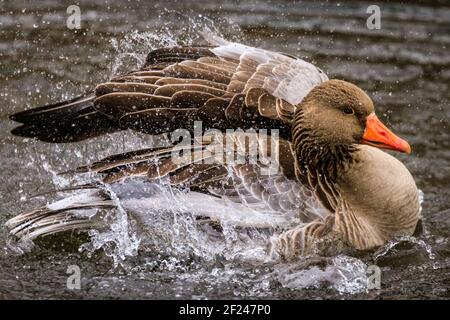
(404, 66)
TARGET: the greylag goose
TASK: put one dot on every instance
(328, 141)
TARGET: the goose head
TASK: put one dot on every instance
(337, 115)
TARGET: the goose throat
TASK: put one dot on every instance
(315, 155)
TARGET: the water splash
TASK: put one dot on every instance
(421, 200)
(119, 241)
(184, 237)
(171, 226)
(347, 275)
(131, 51)
(384, 250)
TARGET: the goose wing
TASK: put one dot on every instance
(257, 184)
(253, 169)
(227, 86)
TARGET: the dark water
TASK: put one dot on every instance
(405, 67)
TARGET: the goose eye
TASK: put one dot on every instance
(348, 110)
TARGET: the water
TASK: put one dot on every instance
(405, 66)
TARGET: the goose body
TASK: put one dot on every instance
(330, 179)
(374, 191)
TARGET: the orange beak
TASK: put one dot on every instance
(377, 135)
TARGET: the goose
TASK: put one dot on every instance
(332, 177)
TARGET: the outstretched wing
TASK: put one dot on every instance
(250, 168)
(251, 174)
(227, 86)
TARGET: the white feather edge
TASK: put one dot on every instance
(292, 86)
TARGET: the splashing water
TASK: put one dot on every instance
(342, 273)
(167, 222)
(408, 239)
(120, 233)
(131, 50)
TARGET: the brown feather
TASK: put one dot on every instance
(110, 87)
(170, 89)
(141, 79)
(183, 71)
(118, 104)
(211, 84)
(190, 99)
